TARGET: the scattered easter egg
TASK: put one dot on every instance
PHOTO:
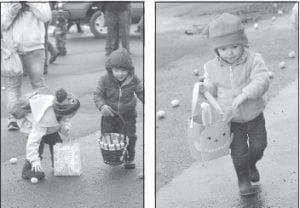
(196, 72)
(282, 65)
(280, 12)
(256, 26)
(161, 114)
(275, 5)
(13, 160)
(140, 175)
(3, 88)
(175, 103)
(34, 180)
(273, 18)
(271, 75)
(292, 54)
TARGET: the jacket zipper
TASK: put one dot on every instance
(120, 94)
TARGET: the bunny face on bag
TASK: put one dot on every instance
(215, 136)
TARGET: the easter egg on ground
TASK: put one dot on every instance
(256, 26)
(34, 180)
(13, 160)
(3, 88)
(271, 75)
(196, 72)
(292, 54)
(273, 18)
(161, 114)
(175, 103)
(280, 12)
(282, 65)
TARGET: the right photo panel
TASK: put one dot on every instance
(227, 104)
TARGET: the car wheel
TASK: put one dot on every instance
(97, 25)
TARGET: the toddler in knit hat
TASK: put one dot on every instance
(238, 78)
(48, 118)
(115, 97)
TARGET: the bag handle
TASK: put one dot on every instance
(208, 96)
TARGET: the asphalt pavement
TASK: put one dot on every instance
(214, 184)
(100, 185)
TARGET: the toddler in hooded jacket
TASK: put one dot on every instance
(116, 94)
(238, 78)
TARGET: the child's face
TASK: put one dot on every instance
(119, 73)
(231, 53)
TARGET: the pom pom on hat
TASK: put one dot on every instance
(226, 30)
(66, 103)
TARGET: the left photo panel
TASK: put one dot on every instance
(72, 104)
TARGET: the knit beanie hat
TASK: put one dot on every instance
(227, 30)
(120, 59)
(65, 103)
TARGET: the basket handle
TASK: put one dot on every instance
(208, 96)
(121, 118)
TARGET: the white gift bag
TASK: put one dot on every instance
(67, 159)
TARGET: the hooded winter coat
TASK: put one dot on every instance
(120, 96)
(248, 75)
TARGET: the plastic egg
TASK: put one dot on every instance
(282, 65)
(13, 160)
(175, 103)
(273, 18)
(271, 74)
(292, 54)
(34, 180)
(196, 72)
(161, 114)
(3, 88)
(256, 26)
(275, 5)
(280, 12)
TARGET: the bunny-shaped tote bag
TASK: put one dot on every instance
(208, 135)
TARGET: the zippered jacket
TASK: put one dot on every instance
(25, 28)
(248, 75)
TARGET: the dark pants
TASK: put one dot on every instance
(253, 133)
(117, 25)
(115, 125)
(61, 44)
(51, 140)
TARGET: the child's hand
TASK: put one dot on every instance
(36, 166)
(238, 100)
(107, 111)
(66, 129)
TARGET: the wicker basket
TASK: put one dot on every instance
(113, 148)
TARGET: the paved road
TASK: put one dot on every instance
(100, 185)
(214, 184)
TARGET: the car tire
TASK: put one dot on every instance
(97, 25)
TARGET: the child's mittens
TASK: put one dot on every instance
(36, 166)
(106, 111)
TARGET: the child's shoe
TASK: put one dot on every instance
(27, 173)
(129, 160)
(12, 126)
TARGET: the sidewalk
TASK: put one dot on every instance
(214, 183)
(99, 185)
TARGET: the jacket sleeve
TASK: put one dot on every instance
(99, 94)
(41, 10)
(139, 90)
(9, 11)
(210, 86)
(259, 79)
(33, 142)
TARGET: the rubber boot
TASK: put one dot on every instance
(245, 186)
(253, 172)
(130, 156)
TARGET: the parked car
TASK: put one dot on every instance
(92, 14)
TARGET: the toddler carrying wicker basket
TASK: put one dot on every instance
(113, 146)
